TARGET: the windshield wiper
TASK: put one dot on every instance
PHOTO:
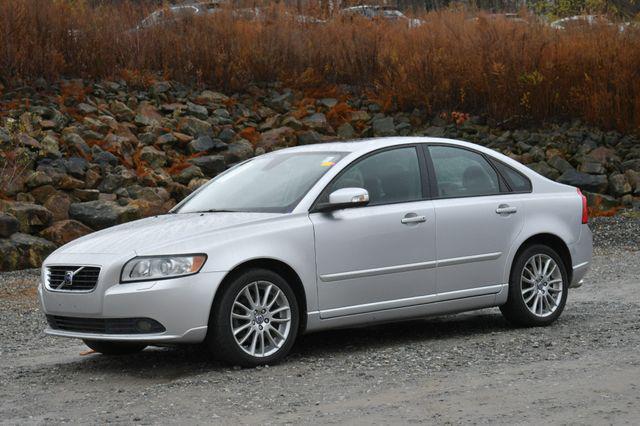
(216, 211)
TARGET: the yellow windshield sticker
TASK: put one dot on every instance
(328, 162)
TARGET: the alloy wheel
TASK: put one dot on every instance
(541, 285)
(260, 318)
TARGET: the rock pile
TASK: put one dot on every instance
(77, 157)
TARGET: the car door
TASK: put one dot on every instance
(477, 220)
(380, 256)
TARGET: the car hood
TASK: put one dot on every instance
(142, 236)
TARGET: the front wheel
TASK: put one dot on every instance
(537, 287)
(114, 348)
(255, 321)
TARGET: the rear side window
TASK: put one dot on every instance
(462, 173)
(516, 180)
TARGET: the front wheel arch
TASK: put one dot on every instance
(280, 268)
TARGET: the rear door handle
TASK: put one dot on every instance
(413, 218)
(506, 209)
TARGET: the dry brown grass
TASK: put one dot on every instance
(492, 67)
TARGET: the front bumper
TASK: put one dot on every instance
(181, 305)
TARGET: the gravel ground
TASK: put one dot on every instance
(468, 368)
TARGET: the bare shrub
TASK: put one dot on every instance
(451, 63)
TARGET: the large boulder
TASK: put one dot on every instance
(148, 208)
(544, 169)
(384, 126)
(309, 137)
(618, 185)
(227, 135)
(42, 193)
(154, 157)
(31, 250)
(122, 111)
(85, 194)
(101, 214)
(210, 97)
(58, 205)
(238, 151)
(316, 121)
(32, 217)
(185, 175)
(10, 259)
(346, 131)
(633, 164)
(68, 182)
(50, 147)
(37, 179)
(197, 111)
(75, 143)
(605, 156)
(9, 225)
(201, 144)
(64, 231)
(195, 127)
(210, 165)
(634, 180)
(280, 137)
(559, 163)
(601, 202)
(591, 183)
(591, 167)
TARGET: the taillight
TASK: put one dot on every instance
(585, 210)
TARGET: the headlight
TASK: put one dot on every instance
(161, 267)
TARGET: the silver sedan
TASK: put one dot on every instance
(324, 236)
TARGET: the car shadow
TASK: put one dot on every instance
(386, 335)
(165, 364)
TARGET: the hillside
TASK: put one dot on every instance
(103, 120)
(80, 156)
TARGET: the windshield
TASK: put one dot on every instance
(272, 183)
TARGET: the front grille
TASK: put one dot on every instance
(84, 278)
(105, 325)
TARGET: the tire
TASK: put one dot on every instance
(114, 348)
(278, 311)
(528, 281)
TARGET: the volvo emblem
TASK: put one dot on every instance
(68, 278)
(67, 281)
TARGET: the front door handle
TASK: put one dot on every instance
(506, 209)
(413, 218)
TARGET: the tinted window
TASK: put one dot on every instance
(390, 177)
(462, 173)
(516, 180)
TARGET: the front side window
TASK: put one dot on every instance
(391, 176)
(462, 173)
(271, 183)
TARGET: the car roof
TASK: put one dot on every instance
(360, 147)
(371, 144)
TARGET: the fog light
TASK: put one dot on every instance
(144, 326)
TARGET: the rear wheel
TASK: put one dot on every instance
(255, 321)
(537, 287)
(114, 348)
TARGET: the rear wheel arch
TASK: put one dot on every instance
(274, 265)
(552, 241)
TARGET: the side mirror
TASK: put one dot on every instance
(345, 198)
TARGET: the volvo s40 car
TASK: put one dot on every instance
(323, 236)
